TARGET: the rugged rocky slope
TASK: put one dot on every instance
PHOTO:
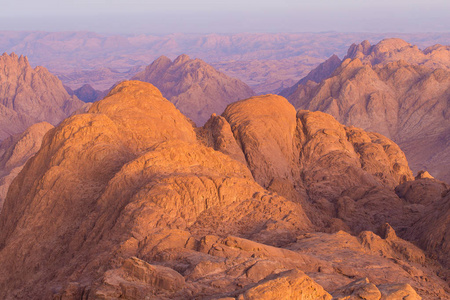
(131, 201)
(395, 89)
(15, 151)
(196, 88)
(29, 96)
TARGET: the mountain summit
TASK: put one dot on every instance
(130, 200)
(29, 96)
(196, 88)
(395, 89)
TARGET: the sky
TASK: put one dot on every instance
(230, 16)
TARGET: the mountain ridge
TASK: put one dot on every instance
(379, 89)
(262, 198)
(195, 87)
(29, 96)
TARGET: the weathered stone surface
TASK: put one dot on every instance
(291, 284)
(358, 289)
(398, 291)
(136, 279)
(129, 199)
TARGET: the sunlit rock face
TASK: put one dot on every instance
(29, 96)
(130, 200)
(395, 89)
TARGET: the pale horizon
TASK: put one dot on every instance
(138, 16)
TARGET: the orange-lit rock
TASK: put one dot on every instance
(130, 200)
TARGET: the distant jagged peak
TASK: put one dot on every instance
(183, 58)
(13, 58)
(437, 48)
(386, 45)
(392, 44)
(29, 96)
(161, 60)
(394, 49)
(194, 86)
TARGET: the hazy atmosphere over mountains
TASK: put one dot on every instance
(227, 150)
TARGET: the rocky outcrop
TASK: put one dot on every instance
(288, 285)
(432, 229)
(196, 88)
(394, 89)
(129, 199)
(309, 156)
(136, 279)
(29, 96)
(363, 289)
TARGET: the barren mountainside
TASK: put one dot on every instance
(395, 89)
(15, 151)
(130, 200)
(29, 96)
(196, 88)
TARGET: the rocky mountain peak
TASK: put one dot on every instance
(392, 88)
(181, 59)
(135, 201)
(29, 96)
(195, 87)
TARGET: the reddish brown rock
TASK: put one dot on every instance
(129, 199)
(359, 289)
(136, 279)
(292, 284)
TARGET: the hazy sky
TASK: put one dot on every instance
(201, 16)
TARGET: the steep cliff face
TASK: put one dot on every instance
(394, 89)
(29, 96)
(196, 88)
(309, 157)
(130, 200)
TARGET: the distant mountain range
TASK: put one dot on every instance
(196, 88)
(392, 88)
(266, 62)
